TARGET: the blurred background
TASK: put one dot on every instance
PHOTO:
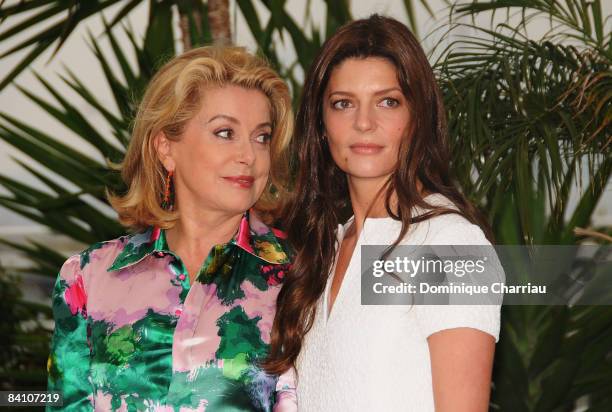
(528, 90)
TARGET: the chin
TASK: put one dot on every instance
(373, 167)
(238, 208)
(368, 172)
(236, 204)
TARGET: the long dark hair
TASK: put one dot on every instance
(321, 192)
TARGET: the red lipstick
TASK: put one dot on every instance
(241, 180)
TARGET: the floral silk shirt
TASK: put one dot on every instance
(132, 334)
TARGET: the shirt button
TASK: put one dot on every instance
(160, 254)
(181, 277)
(178, 312)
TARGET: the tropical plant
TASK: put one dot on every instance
(526, 118)
(200, 22)
(62, 210)
(40, 13)
(25, 344)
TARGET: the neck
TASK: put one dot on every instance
(367, 199)
(195, 233)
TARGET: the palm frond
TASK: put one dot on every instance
(520, 105)
(576, 19)
(75, 12)
(79, 210)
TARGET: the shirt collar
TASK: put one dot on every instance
(253, 236)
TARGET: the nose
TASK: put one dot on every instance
(364, 121)
(246, 153)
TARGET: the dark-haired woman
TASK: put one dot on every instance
(371, 137)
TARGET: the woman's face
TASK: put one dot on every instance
(365, 116)
(222, 161)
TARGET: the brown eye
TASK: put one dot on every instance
(263, 138)
(341, 104)
(225, 133)
(389, 102)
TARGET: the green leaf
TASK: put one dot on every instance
(76, 13)
(583, 212)
(338, 13)
(121, 14)
(307, 48)
(22, 6)
(73, 119)
(120, 126)
(27, 23)
(159, 39)
(56, 156)
(25, 62)
(410, 13)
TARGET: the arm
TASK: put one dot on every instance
(286, 398)
(461, 338)
(68, 364)
(461, 365)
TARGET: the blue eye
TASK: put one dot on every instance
(390, 102)
(341, 104)
(225, 133)
(263, 138)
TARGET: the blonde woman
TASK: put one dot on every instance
(178, 314)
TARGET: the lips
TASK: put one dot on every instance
(241, 180)
(366, 148)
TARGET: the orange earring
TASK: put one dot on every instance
(168, 201)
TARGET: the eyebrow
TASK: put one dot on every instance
(223, 116)
(236, 121)
(384, 91)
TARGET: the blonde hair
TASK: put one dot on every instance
(171, 100)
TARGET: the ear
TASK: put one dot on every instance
(164, 153)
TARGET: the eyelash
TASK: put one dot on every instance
(218, 133)
(334, 104)
(267, 138)
(395, 103)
